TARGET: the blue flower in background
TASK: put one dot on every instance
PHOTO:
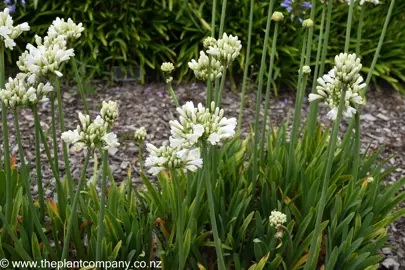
(7, 2)
(307, 5)
(287, 4)
(296, 9)
(23, 2)
(11, 8)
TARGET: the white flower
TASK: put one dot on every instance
(305, 70)
(70, 136)
(200, 124)
(214, 51)
(111, 141)
(20, 92)
(344, 74)
(109, 112)
(166, 158)
(69, 29)
(8, 32)
(204, 69)
(169, 80)
(277, 219)
(167, 67)
(229, 48)
(140, 134)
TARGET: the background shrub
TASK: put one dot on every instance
(144, 33)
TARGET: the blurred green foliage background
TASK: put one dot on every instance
(140, 34)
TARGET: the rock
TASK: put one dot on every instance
(367, 117)
(124, 165)
(390, 264)
(387, 251)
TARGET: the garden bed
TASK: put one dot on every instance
(382, 122)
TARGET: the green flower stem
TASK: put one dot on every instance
(223, 15)
(380, 43)
(25, 176)
(218, 99)
(211, 205)
(73, 213)
(140, 157)
(100, 232)
(214, 11)
(209, 94)
(313, 109)
(326, 38)
(175, 100)
(38, 163)
(53, 124)
(180, 221)
(7, 166)
(80, 85)
(269, 78)
(64, 146)
(246, 70)
(259, 96)
(349, 26)
(359, 31)
(297, 111)
(356, 159)
(313, 252)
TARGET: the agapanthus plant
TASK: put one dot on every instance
(69, 29)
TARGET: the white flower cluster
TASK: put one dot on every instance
(222, 53)
(21, 93)
(277, 16)
(306, 70)
(308, 23)
(91, 134)
(195, 125)
(200, 124)
(140, 134)
(8, 32)
(167, 157)
(277, 219)
(109, 112)
(45, 58)
(68, 28)
(346, 73)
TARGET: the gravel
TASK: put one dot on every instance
(382, 121)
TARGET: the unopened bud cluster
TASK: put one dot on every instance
(277, 16)
(19, 92)
(109, 112)
(277, 219)
(217, 56)
(140, 135)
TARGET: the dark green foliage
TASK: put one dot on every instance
(144, 33)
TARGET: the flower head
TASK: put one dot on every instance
(305, 70)
(209, 42)
(200, 124)
(167, 67)
(69, 29)
(109, 112)
(45, 59)
(277, 16)
(166, 158)
(140, 135)
(330, 86)
(205, 69)
(277, 219)
(308, 23)
(8, 32)
(19, 92)
(90, 134)
(229, 48)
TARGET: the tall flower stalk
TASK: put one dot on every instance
(349, 25)
(359, 30)
(100, 231)
(259, 95)
(38, 163)
(246, 69)
(277, 17)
